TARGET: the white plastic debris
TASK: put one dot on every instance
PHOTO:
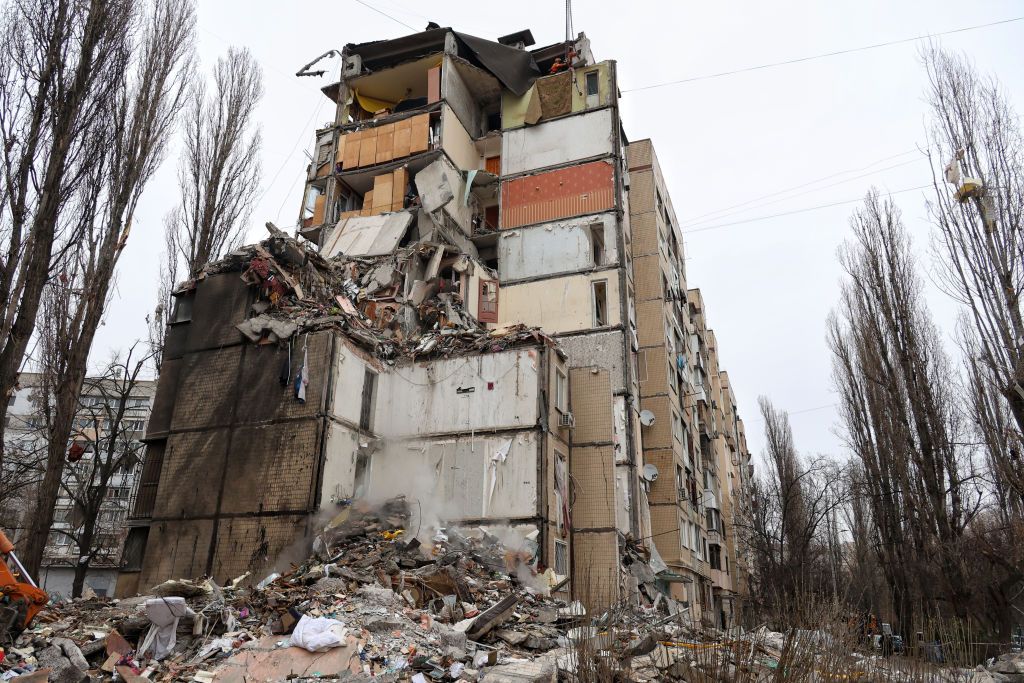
(164, 614)
(318, 634)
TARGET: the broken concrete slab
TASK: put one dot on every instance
(521, 672)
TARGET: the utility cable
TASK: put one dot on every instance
(378, 11)
(819, 56)
(795, 211)
(799, 194)
(696, 219)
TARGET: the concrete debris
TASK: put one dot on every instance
(412, 303)
(374, 601)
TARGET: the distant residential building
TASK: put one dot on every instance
(26, 442)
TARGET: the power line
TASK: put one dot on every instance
(799, 194)
(795, 211)
(382, 12)
(696, 219)
(818, 56)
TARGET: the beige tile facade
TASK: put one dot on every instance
(694, 440)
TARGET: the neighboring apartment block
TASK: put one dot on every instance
(26, 441)
(498, 175)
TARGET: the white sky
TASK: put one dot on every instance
(768, 284)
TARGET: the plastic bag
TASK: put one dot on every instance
(318, 634)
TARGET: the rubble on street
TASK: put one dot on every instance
(373, 602)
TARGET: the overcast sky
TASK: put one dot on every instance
(769, 283)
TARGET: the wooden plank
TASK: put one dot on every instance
(493, 165)
(367, 204)
(382, 185)
(318, 209)
(434, 85)
(368, 151)
(385, 144)
(403, 142)
(401, 179)
(352, 143)
(420, 134)
(339, 155)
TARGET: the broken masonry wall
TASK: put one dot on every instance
(558, 247)
(558, 142)
(237, 444)
(561, 304)
(442, 188)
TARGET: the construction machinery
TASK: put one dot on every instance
(20, 597)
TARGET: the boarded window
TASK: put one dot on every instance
(488, 306)
(493, 165)
(600, 296)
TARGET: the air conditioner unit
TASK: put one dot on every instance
(566, 420)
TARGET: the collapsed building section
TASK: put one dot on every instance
(477, 324)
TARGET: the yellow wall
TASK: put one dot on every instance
(559, 304)
(513, 108)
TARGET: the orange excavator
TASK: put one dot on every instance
(20, 597)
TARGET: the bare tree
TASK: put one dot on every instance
(788, 524)
(979, 221)
(106, 436)
(897, 403)
(220, 167)
(139, 119)
(218, 177)
(60, 65)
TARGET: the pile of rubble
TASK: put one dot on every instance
(410, 303)
(377, 600)
(371, 601)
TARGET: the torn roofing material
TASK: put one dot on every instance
(516, 69)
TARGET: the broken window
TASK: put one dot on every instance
(561, 390)
(369, 395)
(562, 494)
(597, 243)
(561, 558)
(715, 556)
(600, 296)
(183, 308)
(488, 306)
(592, 83)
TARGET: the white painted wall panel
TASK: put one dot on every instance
(424, 399)
(452, 478)
(339, 465)
(349, 370)
(556, 247)
(557, 142)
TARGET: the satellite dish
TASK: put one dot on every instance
(650, 473)
(646, 418)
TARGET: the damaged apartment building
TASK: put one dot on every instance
(484, 309)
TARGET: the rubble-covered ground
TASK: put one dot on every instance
(373, 602)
